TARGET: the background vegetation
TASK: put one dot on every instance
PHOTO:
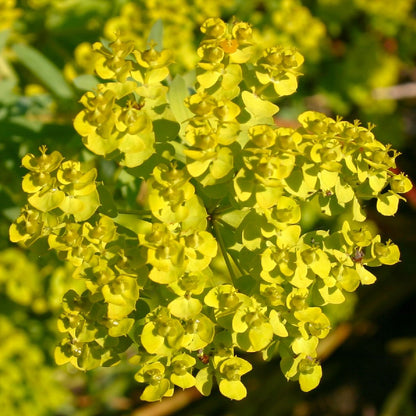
(359, 63)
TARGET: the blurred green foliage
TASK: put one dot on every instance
(355, 51)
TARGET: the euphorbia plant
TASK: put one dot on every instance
(212, 258)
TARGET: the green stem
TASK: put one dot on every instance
(135, 211)
(242, 272)
(237, 265)
(117, 173)
(225, 224)
(259, 90)
(223, 210)
(223, 250)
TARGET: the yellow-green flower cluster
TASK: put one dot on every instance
(56, 189)
(110, 270)
(215, 261)
(284, 22)
(226, 53)
(180, 18)
(117, 119)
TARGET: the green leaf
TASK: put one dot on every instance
(108, 206)
(297, 184)
(146, 168)
(196, 220)
(85, 82)
(81, 207)
(47, 201)
(176, 96)
(165, 130)
(4, 35)
(251, 232)
(133, 223)
(90, 357)
(156, 36)
(234, 218)
(121, 327)
(44, 69)
(7, 97)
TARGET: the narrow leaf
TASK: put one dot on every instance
(176, 95)
(156, 35)
(85, 82)
(44, 69)
(4, 35)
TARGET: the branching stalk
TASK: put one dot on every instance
(223, 249)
